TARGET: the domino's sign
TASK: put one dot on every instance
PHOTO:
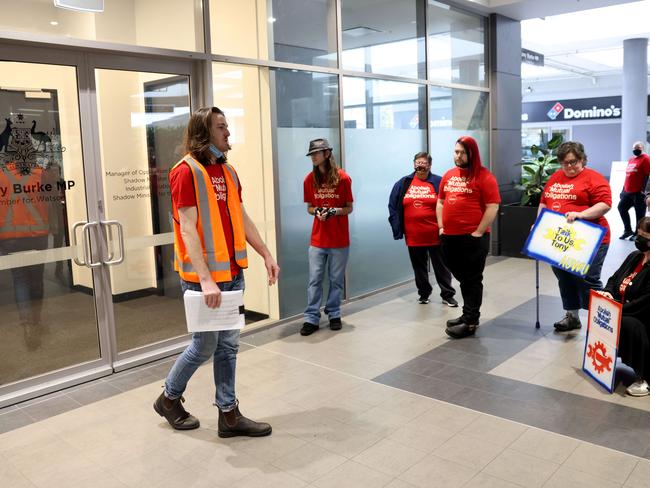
(601, 108)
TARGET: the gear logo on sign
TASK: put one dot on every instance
(599, 357)
(555, 111)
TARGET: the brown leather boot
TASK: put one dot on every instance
(175, 414)
(233, 423)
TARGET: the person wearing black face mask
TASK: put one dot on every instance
(636, 176)
(412, 214)
(630, 285)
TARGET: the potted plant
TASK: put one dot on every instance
(537, 166)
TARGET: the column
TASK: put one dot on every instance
(505, 108)
(635, 94)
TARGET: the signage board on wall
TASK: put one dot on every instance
(600, 108)
(531, 57)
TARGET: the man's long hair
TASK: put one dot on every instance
(473, 156)
(197, 134)
(331, 177)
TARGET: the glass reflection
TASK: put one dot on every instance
(386, 37)
(306, 107)
(385, 126)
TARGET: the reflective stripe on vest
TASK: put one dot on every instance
(212, 238)
(28, 221)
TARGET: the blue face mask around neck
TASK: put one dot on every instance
(217, 154)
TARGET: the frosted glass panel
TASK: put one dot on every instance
(306, 108)
(455, 113)
(381, 137)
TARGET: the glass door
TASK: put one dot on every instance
(47, 303)
(141, 118)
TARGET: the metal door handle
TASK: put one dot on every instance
(120, 240)
(75, 258)
(86, 244)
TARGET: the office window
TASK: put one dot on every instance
(455, 113)
(305, 107)
(384, 128)
(293, 31)
(456, 44)
(384, 37)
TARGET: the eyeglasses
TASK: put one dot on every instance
(570, 162)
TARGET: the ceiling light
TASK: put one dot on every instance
(271, 19)
(54, 22)
(360, 31)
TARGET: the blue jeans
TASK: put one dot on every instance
(574, 290)
(222, 346)
(334, 259)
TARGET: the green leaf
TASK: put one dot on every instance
(534, 150)
(555, 142)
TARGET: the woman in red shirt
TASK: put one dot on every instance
(467, 205)
(578, 192)
(630, 285)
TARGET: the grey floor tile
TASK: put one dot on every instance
(129, 380)
(401, 379)
(635, 442)
(93, 392)
(14, 420)
(50, 407)
(422, 366)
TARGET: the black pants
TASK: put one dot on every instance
(420, 256)
(465, 256)
(627, 201)
(634, 345)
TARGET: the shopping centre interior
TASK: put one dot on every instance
(98, 94)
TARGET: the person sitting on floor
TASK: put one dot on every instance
(630, 285)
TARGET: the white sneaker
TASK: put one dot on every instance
(638, 388)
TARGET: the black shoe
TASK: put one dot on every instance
(454, 322)
(233, 424)
(569, 322)
(632, 237)
(308, 329)
(450, 302)
(423, 301)
(335, 323)
(626, 234)
(462, 330)
(176, 415)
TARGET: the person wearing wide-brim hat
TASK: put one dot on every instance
(328, 194)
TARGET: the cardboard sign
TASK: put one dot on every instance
(568, 246)
(601, 344)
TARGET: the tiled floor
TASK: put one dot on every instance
(388, 401)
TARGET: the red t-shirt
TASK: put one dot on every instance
(465, 202)
(638, 168)
(420, 223)
(628, 279)
(563, 194)
(183, 195)
(334, 232)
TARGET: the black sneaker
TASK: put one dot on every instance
(423, 301)
(626, 234)
(308, 329)
(569, 322)
(335, 323)
(450, 302)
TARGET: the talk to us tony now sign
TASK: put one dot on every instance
(601, 344)
(568, 246)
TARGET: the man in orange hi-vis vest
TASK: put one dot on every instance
(24, 226)
(211, 229)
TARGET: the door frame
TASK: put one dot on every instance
(85, 60)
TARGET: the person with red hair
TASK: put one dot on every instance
(467, 205)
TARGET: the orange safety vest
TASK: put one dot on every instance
(23, 210)
(210, 229)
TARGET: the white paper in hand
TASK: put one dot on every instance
(201, 318)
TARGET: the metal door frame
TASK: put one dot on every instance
(85, 59)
